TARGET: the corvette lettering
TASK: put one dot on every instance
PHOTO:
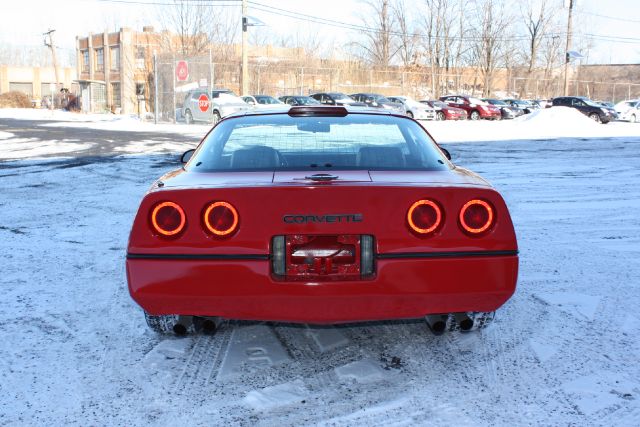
(322, 219)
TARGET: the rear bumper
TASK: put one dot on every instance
(244, 289)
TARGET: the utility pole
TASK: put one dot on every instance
(245, 57)
(52, 46)
(566, 51)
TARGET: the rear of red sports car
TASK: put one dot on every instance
(321, 215)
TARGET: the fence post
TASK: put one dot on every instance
(155, 88)
(173, 89)
(211, 85)
(613, 93)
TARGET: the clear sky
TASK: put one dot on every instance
(24, 21)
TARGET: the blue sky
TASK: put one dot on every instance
(24, 21)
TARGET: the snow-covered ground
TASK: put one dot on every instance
(563, 351)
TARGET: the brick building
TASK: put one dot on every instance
(114, 69)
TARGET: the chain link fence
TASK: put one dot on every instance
(281, 78)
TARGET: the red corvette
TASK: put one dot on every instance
(320, 215)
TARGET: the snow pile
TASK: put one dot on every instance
(6, 135)
(548, 123)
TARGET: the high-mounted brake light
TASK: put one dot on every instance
(221, 218)
(317, 110)
(424, 216)
(476, 217)
(168, 219)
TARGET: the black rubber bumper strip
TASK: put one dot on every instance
(214, 257)
(413, 255)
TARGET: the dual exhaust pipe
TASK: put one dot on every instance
(439, 323)
(186, 324)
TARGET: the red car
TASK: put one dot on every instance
(475, 108)
(445, 112)
(320, 215)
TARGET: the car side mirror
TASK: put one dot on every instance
(251, 103)
(186, 156)
(374, 103)
(446, 153)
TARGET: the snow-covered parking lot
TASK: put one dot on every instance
(75, 349)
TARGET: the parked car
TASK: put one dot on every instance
(475, 108)
(589, 108)
(216, 92)
(200, 106)
(320, 215)
(261, 101)
(507, 111)
(526, 106)
(336, 98)
(298, 100)
(444, 111)
(415, 109)
(379, 101)
(628, 110)
(606, 104)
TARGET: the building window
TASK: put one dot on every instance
(115, 95)
(85, 61)
(140, 58)
(114, 59)
(100, 59)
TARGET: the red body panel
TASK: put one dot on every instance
(403, 286)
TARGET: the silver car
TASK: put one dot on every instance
(415, 109)
(628, 110)
(200, 106)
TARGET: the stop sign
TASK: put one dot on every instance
(182, 71)
(203, 102)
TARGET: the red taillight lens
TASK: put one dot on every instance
(221, 218)
(424, 216)
(476, 217)
(168, 219)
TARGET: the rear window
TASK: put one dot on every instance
(281, 142)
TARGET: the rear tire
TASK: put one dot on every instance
(163, 325)
(595, 117)
(410, 114)
(474, 115)
(188, 117)
(441, 116)
(216, 117)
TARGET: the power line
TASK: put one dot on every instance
(207, 3)
(635, 21)
(355, 27)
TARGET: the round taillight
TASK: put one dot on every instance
(476, 217)
(168, 218)
(221, 218)
(424, 216)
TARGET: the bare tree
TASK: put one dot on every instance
(537, 16)
(378, 44)
(199, 25)
(408, 39)
(491, 29)
(439, 33)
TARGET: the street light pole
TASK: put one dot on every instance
(245, 57)
(566, 51)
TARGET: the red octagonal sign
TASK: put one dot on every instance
(203, 102)
(182, 71)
